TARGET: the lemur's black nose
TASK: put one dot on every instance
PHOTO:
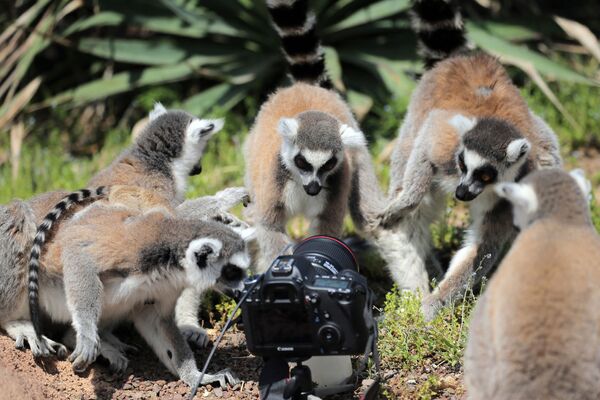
(464, 194)
(313, 188)
(232, 273)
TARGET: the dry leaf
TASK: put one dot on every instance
(10, 110)
(17, 134)
(581, 33)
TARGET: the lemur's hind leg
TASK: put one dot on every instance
(170, 346)
(483, 247)
(186, 317)
(21, 331)
(84, 293)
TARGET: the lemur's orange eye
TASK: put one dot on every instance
(486, 178)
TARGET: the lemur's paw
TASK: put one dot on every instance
(195, 335)
(233, 196)
(85, 353)
(116, 343)
(224, 377)
(117, 361)
(392, 214)
(430, 306)
(55, 348)
(42, 347)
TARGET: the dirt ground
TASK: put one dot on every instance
(146, 378)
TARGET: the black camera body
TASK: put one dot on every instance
(310, 303)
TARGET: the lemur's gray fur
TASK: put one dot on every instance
(42, 232)
(490, 151)
(162, 157)
(464, 104)
(113, 262)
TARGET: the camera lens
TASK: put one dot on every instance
(330, 336)
(331, 249)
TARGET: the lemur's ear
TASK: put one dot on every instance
(519, 194)
(584, 184)
(205, 249)
(462, 124)
(288, 128)
(205, 127)
(351, 137)
(157, 111)
(517, 149)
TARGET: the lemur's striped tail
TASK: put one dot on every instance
(296, 25)
(440, 29)
(38, 243)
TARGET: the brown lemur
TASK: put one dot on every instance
(534, 331)
(305, 154)
(466, 127)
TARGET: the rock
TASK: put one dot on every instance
(411, 381)
(368, 382)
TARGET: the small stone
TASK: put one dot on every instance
(218, 392)
(127, 386)
(368, 382)
(411, 381)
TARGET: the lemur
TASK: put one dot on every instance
(167, 151)
(305, 154)
(534, 331)
(113, 263)
(466, 127)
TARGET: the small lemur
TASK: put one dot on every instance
(161, 158)
(18, 222)
(113, 263)
(466, 127)
(305, 154)
(534, 331)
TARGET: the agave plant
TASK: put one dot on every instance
(229, 46)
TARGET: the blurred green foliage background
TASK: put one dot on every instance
(77, 75)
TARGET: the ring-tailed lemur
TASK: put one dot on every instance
(534, 330)
(162, 157)
(305, 154)
(113, 263)
(466, 127)
(17, 233)
(167, 151)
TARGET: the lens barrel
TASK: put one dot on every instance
(333, 249)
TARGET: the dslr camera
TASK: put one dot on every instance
(310, 303)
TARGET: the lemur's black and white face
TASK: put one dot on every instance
(217, 262)
(183, 136)
(490, 151)
(313, 147)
